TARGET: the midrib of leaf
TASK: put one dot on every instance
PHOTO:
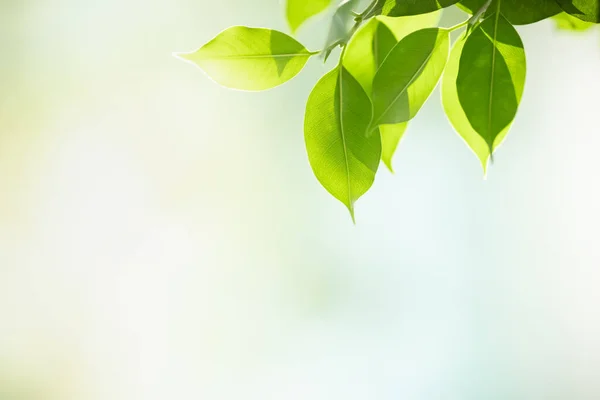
(410, 82)
(343, 134)
(490, 105)
(246, 56)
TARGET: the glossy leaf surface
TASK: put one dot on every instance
(299, 11)
(250, 58)
(343, 158)
(408, 76)
(491, 77)
(517, 12)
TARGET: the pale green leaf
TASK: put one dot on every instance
(517, 12)
(491, 77)
(366, 52)
(568, 22)
(343, 158)
(372, 43)
(586, 10)
(390, 138)
(401, 8)
(298, 11)
(408, 76)
(250, 58)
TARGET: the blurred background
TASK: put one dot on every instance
(164, 238)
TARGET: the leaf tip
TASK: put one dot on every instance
(186, 57)
(352, 215)
(389, 166)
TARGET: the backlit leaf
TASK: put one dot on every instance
(568, 22)
(491, 78)
(390, 138)
(250, 58)
(454, 111)
(585, 10)
(517, 12)
(298, 11)
(342, 157)
(401, 8)
(408, 76)
(366, 52)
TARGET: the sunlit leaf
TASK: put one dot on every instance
(408, 76)
(391, 135)
(517, 12)
(401, 8)
(366, 52)
(491, 78)
(343, 158)
(454, 111)
(298, 11)
(250, 58)
(586, 10)
(568, 22)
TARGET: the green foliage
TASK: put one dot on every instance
(568, 22)
(586, 10)
(402, 8)
(408, 75)
(250, 58)
(298, 11)
(491, 77)
(393, 55)
(517, 12)
(343, 158)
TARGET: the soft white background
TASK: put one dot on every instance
(164, 238)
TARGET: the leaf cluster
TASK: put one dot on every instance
(393, 56)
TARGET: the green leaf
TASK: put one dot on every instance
(454, 111)
(517, 12)
(342, 157)
(408, 75)
(366, 52)
(250, 58)
(491, 78)
(390, 138)
(585, 10)
(401, 8)
(342, 24)
(298, 11)
(568, 22)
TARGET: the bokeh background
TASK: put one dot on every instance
(164, 238)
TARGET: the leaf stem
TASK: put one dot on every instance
(457, 26)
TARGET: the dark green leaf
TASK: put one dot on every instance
(250, 58)
(491, 77)
(298, 11)
(342, 157)
(408, 76)
(517, 12)
(401, 8)
(454, 111)
(585, 10)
